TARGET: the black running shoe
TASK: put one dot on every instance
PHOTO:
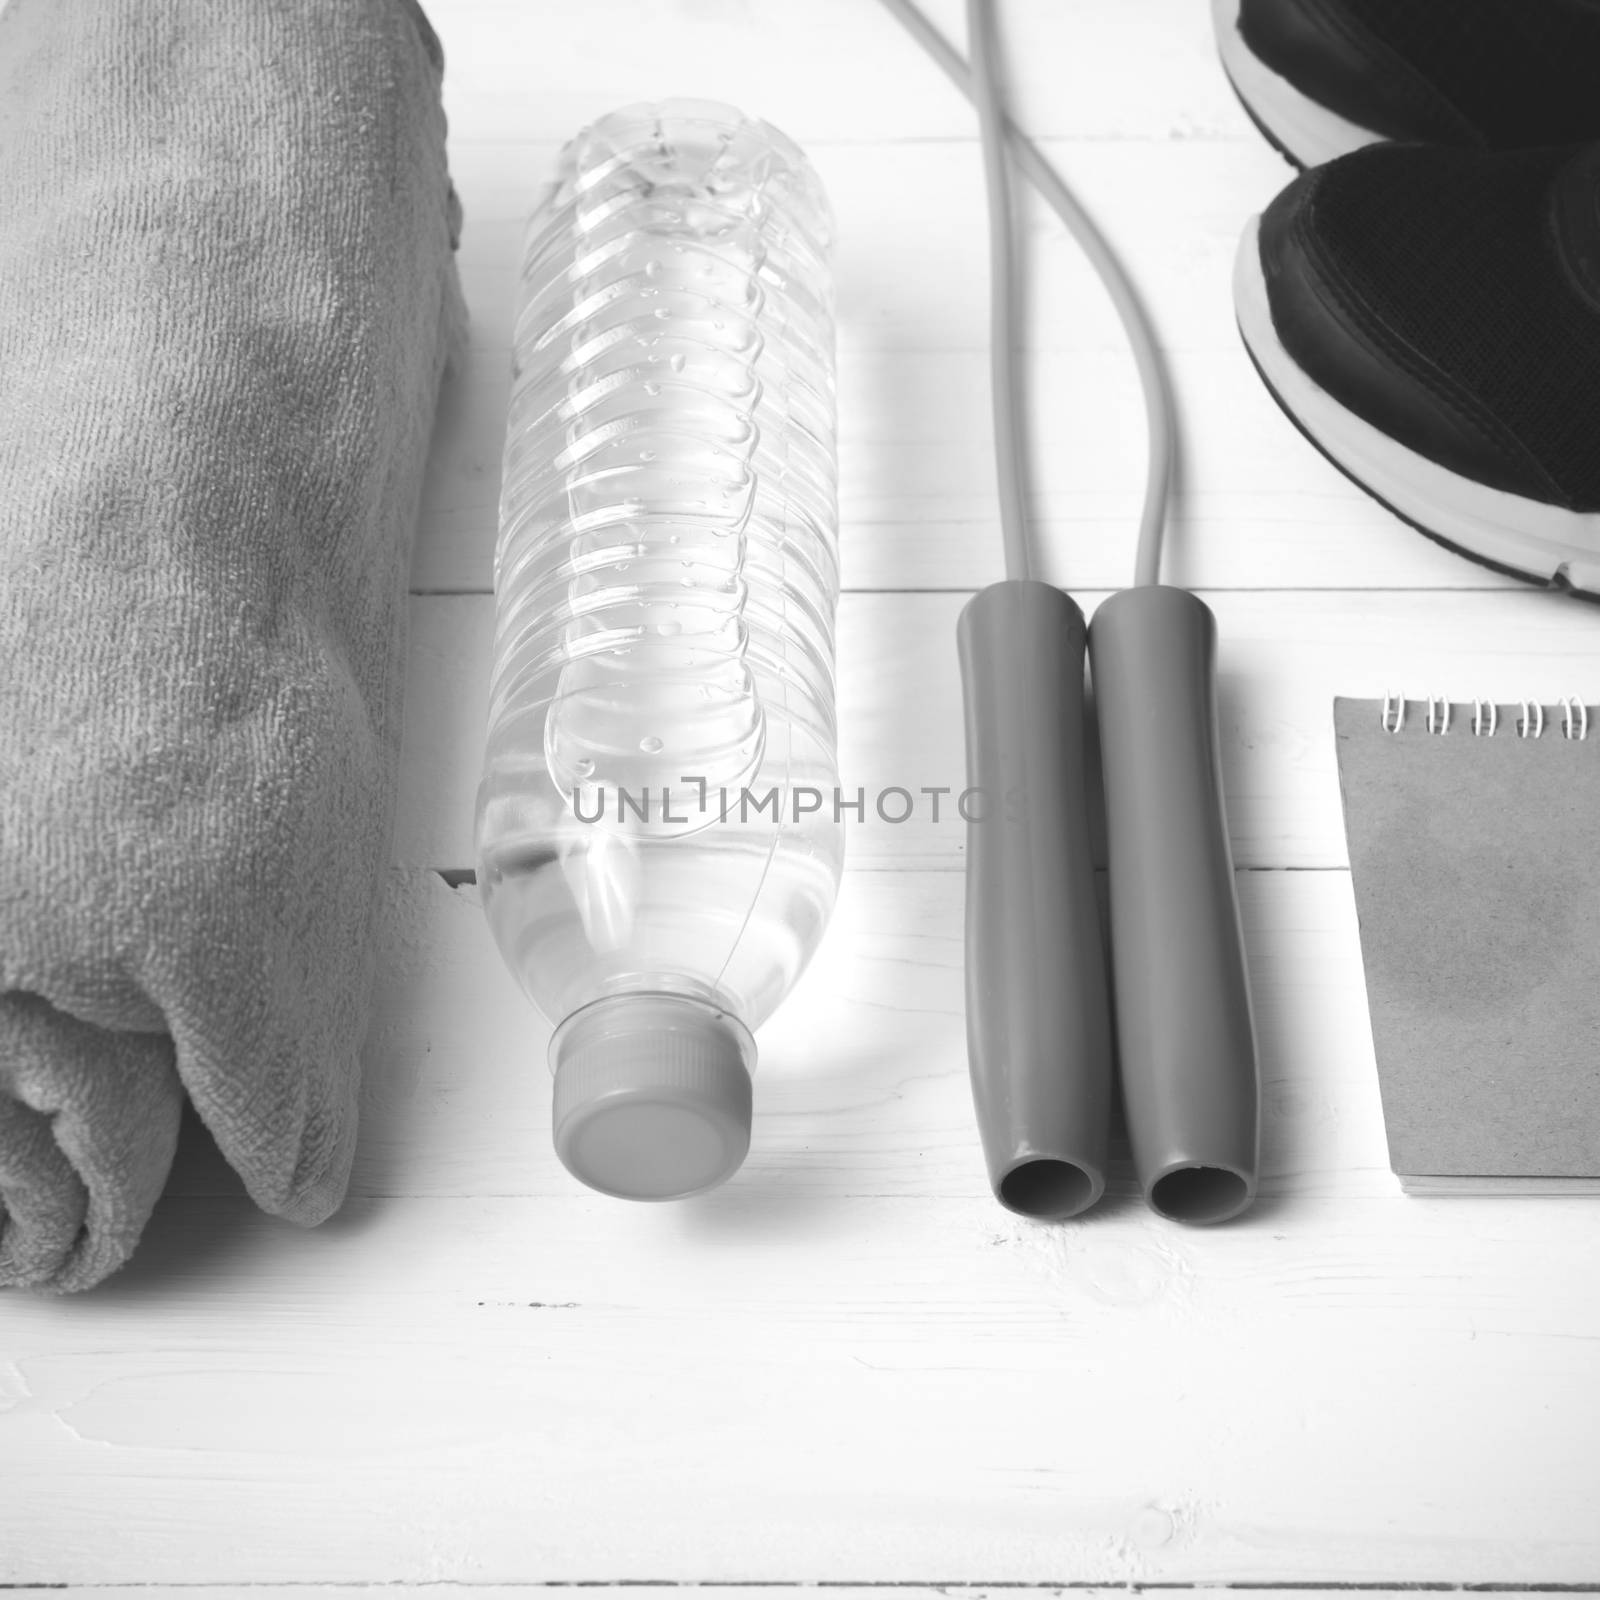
(1430, 319)
(1323, 77)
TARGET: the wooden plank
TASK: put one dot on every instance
(1258, 509)
(1346, 1313)
(1256, 506)
(1282, 658)
(911, 266)
(862, 1086)
(830, 70)
(768, 1384)
(684, 1591)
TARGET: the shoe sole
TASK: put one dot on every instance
(1522, 538)
(1305, 133)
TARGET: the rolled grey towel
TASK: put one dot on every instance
(227, 296)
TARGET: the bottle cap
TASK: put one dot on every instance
(652, 1095)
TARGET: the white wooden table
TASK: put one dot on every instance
(850, 1367)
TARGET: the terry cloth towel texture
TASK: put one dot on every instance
(227, 298)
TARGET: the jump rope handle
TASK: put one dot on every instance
(1185, 1032)
(1038, 1021)
(1038, 1009)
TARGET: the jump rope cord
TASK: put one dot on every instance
(979, 82)
(1005, 370)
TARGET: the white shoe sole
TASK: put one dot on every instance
(1528, 538)
(1306, 132)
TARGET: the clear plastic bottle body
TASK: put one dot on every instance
(658, 807)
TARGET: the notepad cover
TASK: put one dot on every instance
(1476, 868)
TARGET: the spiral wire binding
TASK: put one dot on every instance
(1486, 717)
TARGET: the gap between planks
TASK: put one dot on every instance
(1263, 1587)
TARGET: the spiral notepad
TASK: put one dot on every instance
(1474, 835)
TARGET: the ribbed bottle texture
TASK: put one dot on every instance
(657, 812)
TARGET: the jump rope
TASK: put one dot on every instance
(1057, 1014)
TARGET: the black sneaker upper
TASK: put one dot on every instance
(1502, 74)
(1451, 299)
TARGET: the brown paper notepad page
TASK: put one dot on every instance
(1475, 858)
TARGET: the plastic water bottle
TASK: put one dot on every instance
(659, 832)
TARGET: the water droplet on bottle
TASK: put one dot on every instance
(672, 538)
(669, 630)
(650, 744)
(679, 362)
(648, 455)
(662, 312)
(586, 768)
(652, 269)
(652, 388)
